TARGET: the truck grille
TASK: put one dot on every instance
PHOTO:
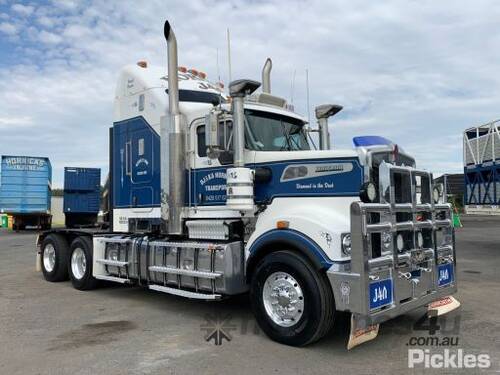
(404, 238)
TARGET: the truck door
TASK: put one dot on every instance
(140, 168)
(208, 178)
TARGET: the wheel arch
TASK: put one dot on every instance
(286, 239)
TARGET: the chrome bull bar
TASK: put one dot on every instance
(383, 282)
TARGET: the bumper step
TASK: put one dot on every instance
(114, 279)
(109, 262)
(185, 293)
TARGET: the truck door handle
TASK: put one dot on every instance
(128, 159)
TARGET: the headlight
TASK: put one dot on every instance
(346, 244)
(436, 194)
(386, 240)
(368, 192)
(400, 242)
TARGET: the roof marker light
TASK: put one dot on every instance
(142, 63)
(282, 224)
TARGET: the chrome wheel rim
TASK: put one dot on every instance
(78, 263)
(283, 299)
(49, 257)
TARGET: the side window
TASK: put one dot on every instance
(202, 148)
(225, 134)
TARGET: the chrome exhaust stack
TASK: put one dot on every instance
(239, 178)
(172, 135)
(323, 112)
(238, 90)
(266, 76)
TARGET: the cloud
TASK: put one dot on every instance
(24, 10)
(8, 28)
(15, 121)
(49, 38)
(416, 72)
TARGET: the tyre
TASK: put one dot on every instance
(54, 258)
(292, 302)
(80, 264)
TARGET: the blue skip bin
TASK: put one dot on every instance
(380, 293)
(445, 274)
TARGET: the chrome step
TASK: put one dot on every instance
(184, 293)
(114, 279)
(109, 262)
(183, 272)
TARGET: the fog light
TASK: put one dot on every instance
(386, 240)
(368, 192)
(400, 242)
(420, 240)
(346, 244)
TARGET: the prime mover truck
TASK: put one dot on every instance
(215, 194)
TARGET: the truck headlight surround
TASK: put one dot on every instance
(346, 244)
(368, 192)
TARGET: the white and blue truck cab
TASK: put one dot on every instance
(214, 194)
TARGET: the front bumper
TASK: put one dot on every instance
(382, 283)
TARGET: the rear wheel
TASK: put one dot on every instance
(292, 302)
(80, 264)
(54, 254)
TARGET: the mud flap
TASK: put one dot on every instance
(360, 333)
(38, 265)
(443, 306)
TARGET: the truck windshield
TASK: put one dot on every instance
(273, 132)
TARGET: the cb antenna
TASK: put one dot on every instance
(218, 68)
(307, 98)
(292, 86)
(229, 54)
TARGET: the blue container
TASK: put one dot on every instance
(81, 202)
(82, 179)
(25, 185)
(82, 190)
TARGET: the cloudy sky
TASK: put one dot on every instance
(417, 72)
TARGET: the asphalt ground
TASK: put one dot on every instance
(51, 328)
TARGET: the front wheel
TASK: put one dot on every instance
(80, 264)
(292, 302)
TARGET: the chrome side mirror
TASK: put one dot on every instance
(212, 134)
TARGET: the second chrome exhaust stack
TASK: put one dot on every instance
(266, 76)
